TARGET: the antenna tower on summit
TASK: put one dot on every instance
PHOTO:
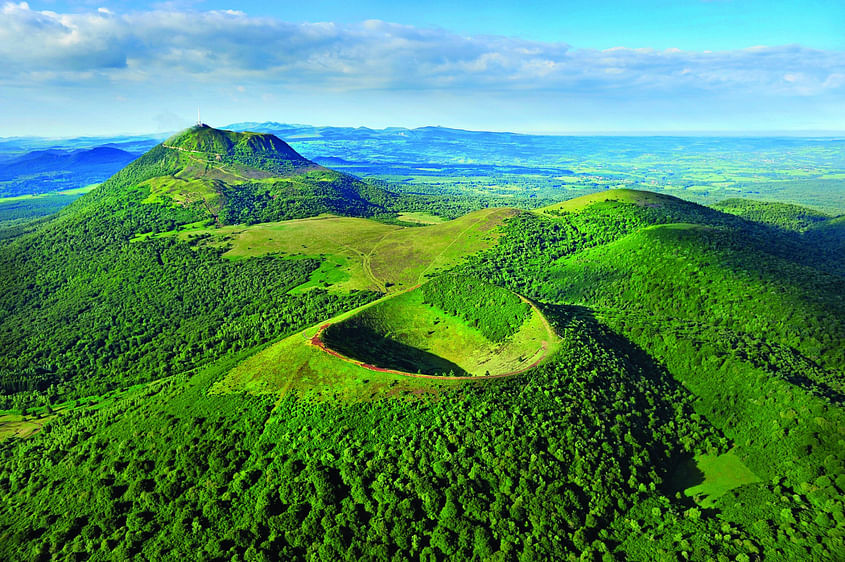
(199, 121)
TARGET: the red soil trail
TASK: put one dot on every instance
(317, 341)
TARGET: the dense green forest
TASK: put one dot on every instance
(689, 338)
(783, 215)
(738, 316)
(496, 313)
(171, 471)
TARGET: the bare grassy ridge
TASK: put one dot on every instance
(416, 332)
(408, 334)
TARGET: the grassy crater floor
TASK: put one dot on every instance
(408, 335)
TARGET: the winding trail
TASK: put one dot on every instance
(190, 154)
(452, 243)
(317, 341)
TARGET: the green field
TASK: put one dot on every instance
(706, 478)
(420, 218)
(361, 253)
(16, 425)
(407, 257)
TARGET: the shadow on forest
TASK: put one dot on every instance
(685, 475)
(365, 344)
(583, 318)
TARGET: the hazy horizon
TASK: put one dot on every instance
(570, 67)
(805, 134)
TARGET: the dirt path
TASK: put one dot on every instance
(190, 154)
(438, 256)
(317, 341)
(368, 259)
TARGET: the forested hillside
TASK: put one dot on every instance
(738, 315)
(685, 401)
(507, 470)
(495, 312)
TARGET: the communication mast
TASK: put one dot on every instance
(199, 121)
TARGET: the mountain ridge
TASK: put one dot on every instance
(226, 177)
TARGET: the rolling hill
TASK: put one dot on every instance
(50, 170)
(214, 355)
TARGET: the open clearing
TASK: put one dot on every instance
(15, 425)
(408, 256)
(362, 253)
(420, 218)
(708, 477)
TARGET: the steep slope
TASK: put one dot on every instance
(85, 310)
(206, 173)
(747, 316)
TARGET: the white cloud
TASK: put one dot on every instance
(159, 47)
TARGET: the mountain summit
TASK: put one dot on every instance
(228, 177)
(236, 146)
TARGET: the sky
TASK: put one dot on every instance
(85, 67)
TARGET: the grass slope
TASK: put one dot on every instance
(362, 254)
(294, 365)
(407, 334)
(642, 198)
(407, 257)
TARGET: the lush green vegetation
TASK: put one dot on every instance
(497, 313)
(311, 194)
(370, 255)
(691, 409)
(410, 334)
(782, 215)
(144, 310)
(15, 210)
(172, 471)
(737, 313)
(82, 301)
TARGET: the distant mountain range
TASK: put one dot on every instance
(309, 132)
(54, 169)
(84, 161)
(800, 170)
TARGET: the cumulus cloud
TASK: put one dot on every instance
(40, 47)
